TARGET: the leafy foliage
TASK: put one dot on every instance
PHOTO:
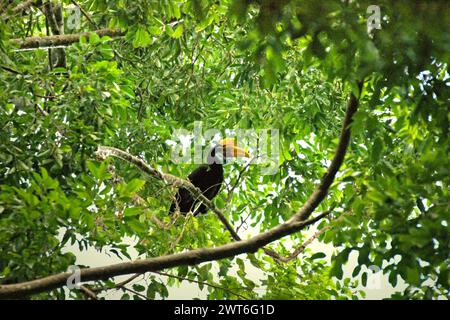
(288, 65)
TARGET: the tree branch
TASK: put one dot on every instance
(201, 282)
(296, 223)
(88, 293)
(22, 7)
(303, 246)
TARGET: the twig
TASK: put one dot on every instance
(280, 258)
(135, 292)
(88, 292)
(120, 285)
(303, 246)
(200, 282)
(137, 199)
(127, 281)
(243, 221)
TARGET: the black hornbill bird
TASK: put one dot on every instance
(207, 177)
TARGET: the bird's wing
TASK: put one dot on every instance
(183, 201)
(197, 176)
(183, 198)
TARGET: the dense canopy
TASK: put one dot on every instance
(130, 74)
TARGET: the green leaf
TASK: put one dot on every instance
(356, 271)
(141, 37)
(138, 287)
(363, 256)
(154, 30)
(413, 276)
(135, 185)
(377, 149)
(83, 39)
(94, 38)
(151, 291)
(133, 211)
(98, 170)
(364, 279)
(318, 255)
(336, 270)
(106, 51)
(178, 32)
(136, 226)
(393, 278)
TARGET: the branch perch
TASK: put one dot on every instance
(296, 223)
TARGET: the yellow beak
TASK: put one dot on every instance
(232, 150)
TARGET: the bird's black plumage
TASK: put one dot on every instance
(208, 178)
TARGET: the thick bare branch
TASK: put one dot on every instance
(197, 256)
(62, 40)
(317, 234)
